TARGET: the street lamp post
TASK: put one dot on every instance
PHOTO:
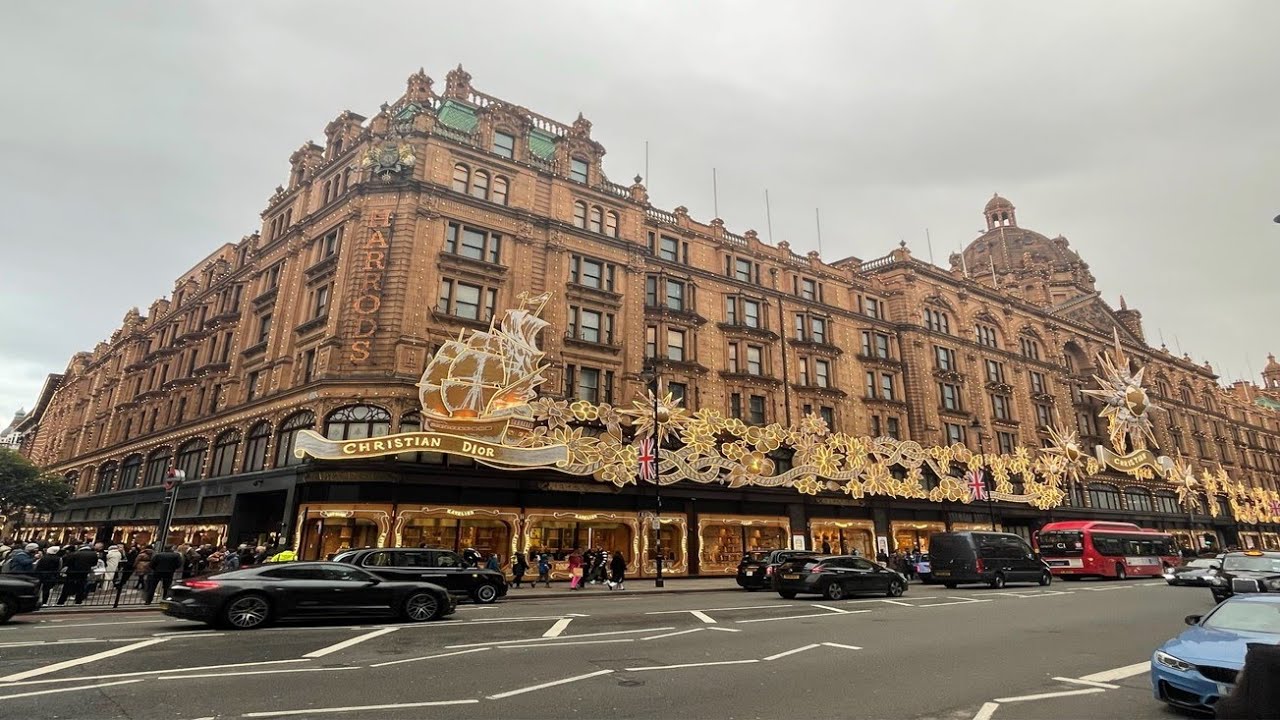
(651, 375)
(991, 510)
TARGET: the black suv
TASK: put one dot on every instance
(18, 594)
(755, 572)
(1251, 571)
(993, 558)
(435, 565)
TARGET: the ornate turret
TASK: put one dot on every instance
(1131, 319)
(1271, 373)
(1000, 213)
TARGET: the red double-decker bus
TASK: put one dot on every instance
(1105, 549)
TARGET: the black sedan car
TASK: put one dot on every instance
(253, 597)
(18, 594)
(435, 565)
(1250, 571)
(835, 577)
(755, 571)
(1195, 573)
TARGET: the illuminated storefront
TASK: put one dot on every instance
(675, 544)
(723, 540)
(325, 529)
(843, 536)
(912, 534)
(1250, 540)
(559, 532)
(1271, 541)
(975, 526)
(487, 531)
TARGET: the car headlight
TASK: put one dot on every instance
(1170, 661)
(1273, 584)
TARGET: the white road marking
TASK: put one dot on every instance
(1046, 696)
(349, 642)
(256, 672)
(118, 622)
(1120, 673)
(846, 647)
(736, 607)
(70, 689)
(958, 601)
(80, 661)
(690, 665)
(82, 678)
(429, 657)
(986, 711)
(798, 617)
(832, 609)
(898, 602)
(1078, 681)
(187, 634)
(357, 708)
(793, 652)
(570, 637)
(678, 632)
(724, 629)
(561, 644)
(72, 641)
(557, 628)
(544, 686)
(703, 617)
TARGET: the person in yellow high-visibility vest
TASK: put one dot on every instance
(284, 556)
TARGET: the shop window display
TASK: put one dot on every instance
(457, 534)
(324, 537)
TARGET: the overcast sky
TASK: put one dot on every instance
(137, 137)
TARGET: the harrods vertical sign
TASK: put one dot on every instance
(370, 271)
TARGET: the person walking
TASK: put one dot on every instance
(493, 563)
(575, 570)
(142, 568)
(115, 556)
(519, 566)
(826, 547)
(47, 567)
(164, 565)
(544, 570)
(230, 560)
(22, 560)
(618, 568)
(78, 565)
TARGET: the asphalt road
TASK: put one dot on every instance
(934, 653)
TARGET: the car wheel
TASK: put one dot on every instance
(1045, 578)
(834, 591)
(1120, 572)
(485, 594)
(896, 588)
(999, 581)
(246, 612)
(786, 595)
(8, 606)
(949, 586)
(420, 607)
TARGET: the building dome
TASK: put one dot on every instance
(997, 202)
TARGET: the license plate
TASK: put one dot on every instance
(1058, 563)
(791, 576)
(941, 573)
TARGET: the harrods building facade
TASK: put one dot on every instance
(406, 229)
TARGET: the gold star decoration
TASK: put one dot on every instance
(1127, 402)
(671, 416)
(1183, 477)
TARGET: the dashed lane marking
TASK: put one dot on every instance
(255, 672)
(800, 649)
(81, 678)
(1078, 681)
(673, 634)
(358, 708)
(986, 711)
(562, 644)
(349, 642)
(557, 628)
(544, 686)
(717, 609)
(800, 617)
(76, 662)
(846, 647)
(725, 629)
(832, 609)
(429, 657)
(1046, 696)
(958, 601)
(570, 637)
(692, 665)
(70, 689)
(703, 617)
(1119, 673)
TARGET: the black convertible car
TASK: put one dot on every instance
(250, 598)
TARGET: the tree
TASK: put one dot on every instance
(23, 485)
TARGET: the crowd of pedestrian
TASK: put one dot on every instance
(590, 567)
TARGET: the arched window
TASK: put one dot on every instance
(191, 458)
(596, 223)
(255, 449)
(988, 336)
(461, 178)
(158, 463)
(1185, 394)
(106, 478)
(1076, 359)
(1138, 499)
(500, 186)
(129, 472)
(1104, 497)
(480, 185)
(580, 214)
(224, 453)
(611, 224)
(72, 478)
(1210, 402)
(1162, 387)
(288, 433)
(356, 422)
(1167, 502)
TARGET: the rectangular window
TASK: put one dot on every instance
(308, 365)
(751, 313)
(651, 291)
(735, 405)
(1000, 407)
(945, 358)
(669, 249)
(872, 307)
(733, 359)
(264, 328)
(675, 295)
(800, 327)
(818, 329)
(472, 243)
(590, 324)
(955, 434)
(881, 345)
(591, 273)
(578, 170)
(465, 301)
(330, 243)
(886, 386)
(1043, 416)
(322, 302)
(742, 270)
(273, 277)
(828, 416)
(679, 391)
(588, 386)
(877, 429)
(1037, 383)
(893, 428)
(675, 345)
(950, 395)
(756, 408)
(822, 373)
(504, 145)
(252, 383)
(808, 289)
(1006, 442)
(871, 384)
(995, 371)
(731, 309)
(755, 363)
(804, 371)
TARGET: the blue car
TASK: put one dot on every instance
(1197, 668)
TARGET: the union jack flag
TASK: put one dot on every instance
(648, 459)
(977, 485)
(1275, 507)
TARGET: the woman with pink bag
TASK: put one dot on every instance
(575, 570)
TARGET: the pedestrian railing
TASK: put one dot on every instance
(122, 588)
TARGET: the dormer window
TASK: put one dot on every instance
(504, 144)
(578, 170)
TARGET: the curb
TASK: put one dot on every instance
(514, 594)
(93, 610)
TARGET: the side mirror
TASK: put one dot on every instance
(1216, 566)
(1193, 619)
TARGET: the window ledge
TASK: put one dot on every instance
(257, 349)
(601, 346)
(322, 267)
(483, 267)
(817, 345)
(750, 378)
(757, 332)
(266, 297)
(313, 324)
